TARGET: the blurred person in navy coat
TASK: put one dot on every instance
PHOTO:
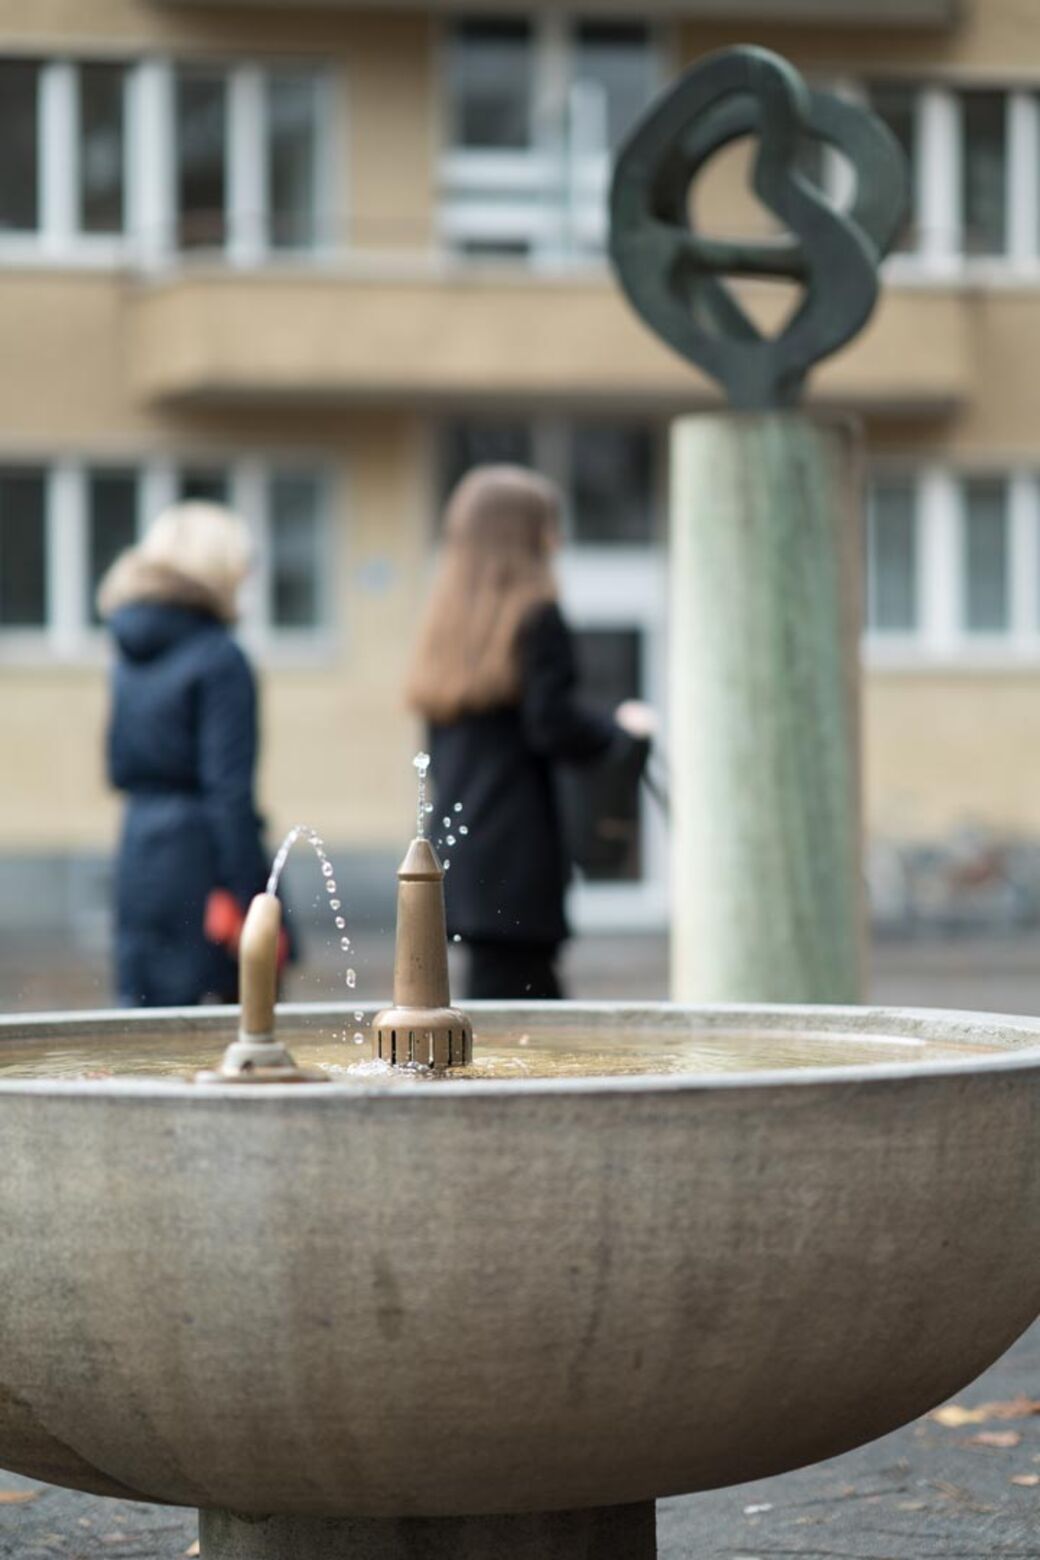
(182, 747)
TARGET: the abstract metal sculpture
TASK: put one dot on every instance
(672, 274)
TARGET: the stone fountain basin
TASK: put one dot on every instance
(505, 1296)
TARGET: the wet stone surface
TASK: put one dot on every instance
(928, 1492)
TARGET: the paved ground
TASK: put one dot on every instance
(925, 1493)
(988, 975)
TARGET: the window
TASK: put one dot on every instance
(23, 547)
(293, 133)
(492, 85)
(19, 146)
(984, 172)
(295, 525)
(102, 148)
(615, 77)
(97, 509)
(483, 444)
(606, 471)
(612, 484)
(986, 556)
(892, 557)
(535, 109)
(201, 158)
(210, 484)
(896, 104)
(112, 507)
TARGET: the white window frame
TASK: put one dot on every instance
(558, 195)
(149, 238)
(68, 637)
(942, 640)
(939, 258)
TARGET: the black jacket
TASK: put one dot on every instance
(182, 746)
(509, 874)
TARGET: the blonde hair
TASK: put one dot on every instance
(197, 553)
(500, 529)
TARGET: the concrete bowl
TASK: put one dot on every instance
(505, 1296)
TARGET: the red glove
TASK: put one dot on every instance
(223, 921)
(223, 924)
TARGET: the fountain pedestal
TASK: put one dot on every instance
(765, 571)
(602, 1533)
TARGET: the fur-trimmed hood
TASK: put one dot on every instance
(135, 577)
(149, 606)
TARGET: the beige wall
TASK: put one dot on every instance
(1000, 38)
(946, 749)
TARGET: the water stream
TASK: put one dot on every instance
(303, 831)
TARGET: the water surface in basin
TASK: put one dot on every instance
(575, 1052)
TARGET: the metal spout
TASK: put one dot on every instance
(257, 1056)
(422, 1026)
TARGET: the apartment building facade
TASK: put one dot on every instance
(316, 260)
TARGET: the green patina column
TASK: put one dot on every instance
(768, 903)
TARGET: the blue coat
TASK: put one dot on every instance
(182, 746)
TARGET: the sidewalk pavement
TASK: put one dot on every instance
(985, 974)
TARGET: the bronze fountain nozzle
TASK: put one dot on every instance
(422, 1026)
(257, 1056)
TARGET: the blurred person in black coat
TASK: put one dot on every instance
(494, 676)
(182, 747)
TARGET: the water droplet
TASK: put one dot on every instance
(428, 807)
(446, 822)
(340, 924)
(359, 1039)
(330, 886)
(358, 1017)
(451, 839)
(447, 866)
(421, 761)
(457, 937)
(326, 868)
(458, 806)
(463, 829)
(352, 978)
(344, 943)
(334, 904)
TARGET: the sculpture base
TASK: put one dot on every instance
(603, 1533)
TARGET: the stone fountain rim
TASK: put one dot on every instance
(1019, 1033)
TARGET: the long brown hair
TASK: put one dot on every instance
(500, 528)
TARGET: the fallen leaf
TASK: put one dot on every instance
(1029, 1480)
(911, 1505)
(18, 1497)
(953, 1416)
(194, 1550)
(999, 1438)
(754, 1511)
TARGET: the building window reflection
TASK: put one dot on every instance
(102, 148)
(986, 556)
(201, 117)
(892, 556)
(19, 146)
(23, 548)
